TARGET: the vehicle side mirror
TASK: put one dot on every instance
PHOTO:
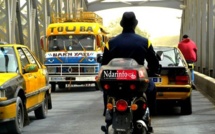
(159, 55)
(29, 68)
(99, 58)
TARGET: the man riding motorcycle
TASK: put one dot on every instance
(131, 45)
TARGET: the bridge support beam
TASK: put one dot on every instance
(98, 5)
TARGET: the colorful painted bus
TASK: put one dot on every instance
(72, 47)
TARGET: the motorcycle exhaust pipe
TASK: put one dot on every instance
(141, 124)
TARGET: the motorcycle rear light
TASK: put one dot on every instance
(134, 107)
(106, 86)
(132, 86)
(109, 106)
(144, 106)
(121, 105)
(180, 80)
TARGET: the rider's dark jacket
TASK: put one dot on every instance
(131, 45)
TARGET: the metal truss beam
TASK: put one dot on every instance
(101, 5)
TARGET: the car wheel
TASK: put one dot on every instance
(42, 111)
(186, 107)
(16, 125)
(62, 85)
(53, 87)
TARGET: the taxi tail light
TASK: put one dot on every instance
(121, 105)
(180, 80)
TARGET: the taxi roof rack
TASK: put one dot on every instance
(80, 16)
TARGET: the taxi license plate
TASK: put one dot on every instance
(57, 78)
(157, 79)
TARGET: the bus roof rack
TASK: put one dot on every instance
(79, 17)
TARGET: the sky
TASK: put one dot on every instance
(156, 21)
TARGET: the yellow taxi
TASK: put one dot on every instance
(174, 85)
(24, 87)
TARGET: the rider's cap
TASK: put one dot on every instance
(128, 20)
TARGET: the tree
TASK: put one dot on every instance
(114, 29)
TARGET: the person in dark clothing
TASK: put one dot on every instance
(128, 44)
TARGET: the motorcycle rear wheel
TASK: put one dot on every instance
(143, 131)
(117, 132)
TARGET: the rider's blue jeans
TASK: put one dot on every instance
(191, 70)
(192, 75)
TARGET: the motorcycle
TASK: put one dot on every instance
(125, 82)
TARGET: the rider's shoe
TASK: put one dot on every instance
(104, 129)
(194, 86)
